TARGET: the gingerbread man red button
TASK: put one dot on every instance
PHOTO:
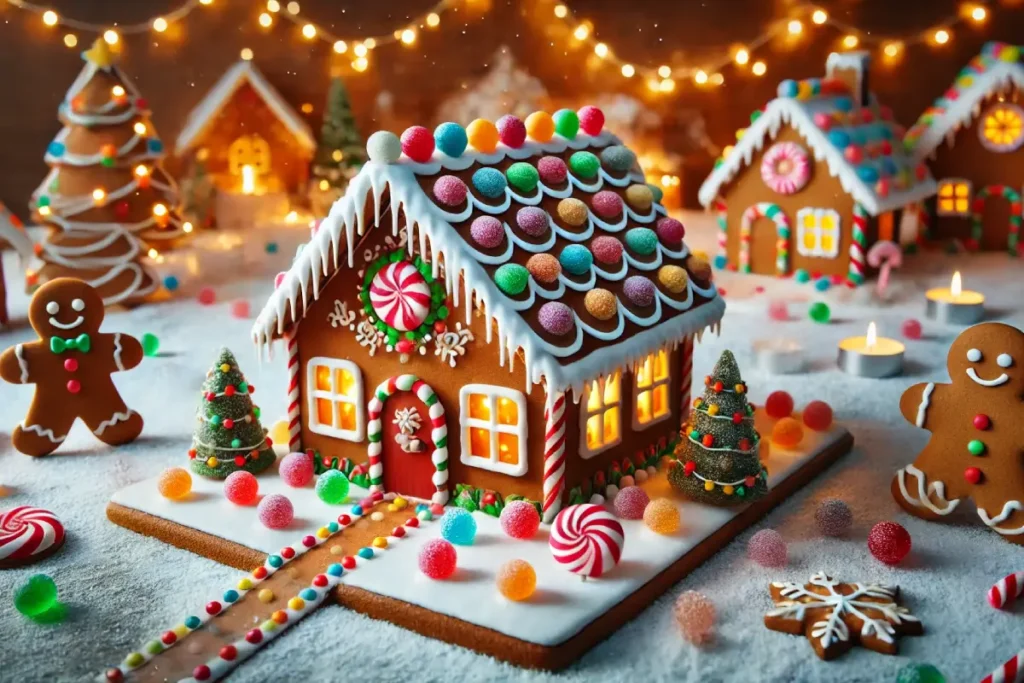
(982, 421)
(972, 475)
(70, 364)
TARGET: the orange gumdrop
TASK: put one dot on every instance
(174, 483)
(787, 432)
(517, 580)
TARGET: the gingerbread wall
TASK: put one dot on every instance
(821, 191)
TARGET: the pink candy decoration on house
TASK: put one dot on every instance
(670, 231)
(631, 502)
(768, 548)
(511, 131)
(275, 511)
(450, 190)
(854, 154)
(296, 469)
(778, 310)
(607, 204)
(532, 220)
(591, 119)
(520, 519)
(556, 318)
(606, 249)
(552, 170)
(487, 231)
(418, 143)
(911, 328)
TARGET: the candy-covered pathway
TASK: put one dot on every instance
(120, 586)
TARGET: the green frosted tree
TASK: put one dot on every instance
(228, 435)
(718, 452)
(341, 152)
(198, 193)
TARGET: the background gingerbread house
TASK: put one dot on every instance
(818, 177)
(972, 137)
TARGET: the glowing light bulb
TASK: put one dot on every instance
(408, 36)
(667, 85)
(561, 11)
(664, 71)
(98, 195)
(941, 36)
(433, 19)
(187, 227)
(50, 18)
(110, 35)
(337, 155)
(601, 50)
(716, 79)
(291, 217)
(360, 50)
(153, 253)
(159, 210)
(891, 49)
(273, 6)
(248, 179)
(758, 69)
(795, 27)
(979, 14)
(851, 41)
(71, 40)
(309, 32)
(44, 211)
(370, 43)
(159, 24)
(117, 91)
(141, 171)
(628, 71)
(293, 8)
(742, 57)
(246, 54)
(819, 16)
(360, 64)
(700, 77)
(266, 20)
(581, 32)
(340, 46)
(139, 128)
(324, 185)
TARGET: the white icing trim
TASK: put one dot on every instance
(66, 326)
(1008, 509)
(19, 353)
(114, 419)
(922, 409)
(48, 433)
(998, 381)
(923, 498)
(493, 428)
(117, 352)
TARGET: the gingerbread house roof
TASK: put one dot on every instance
(859, 144)
(244, 71)
(560, 243)
(995, 70)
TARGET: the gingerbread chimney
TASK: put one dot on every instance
(852, 69)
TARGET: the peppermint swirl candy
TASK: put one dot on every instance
(586, 539)
(400, 296)
(27, 531)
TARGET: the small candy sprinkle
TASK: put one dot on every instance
(201, 673)
(662, 516)
(377, 516)
(576, 259)
(511, 131)
(230, 595)
(490, 182)
(670, 232)
(213, 607)
(451, 139)
(418, 143)
(241, 488)
(820, 312)
(512, 278)
(483, 135)
(520, 519)
(174, 483)
(134, 659)
(639, 197)
(591, 119)
(280, 616)
(36, 596)
(544, 268)
(254, 636)
(584, 164)
(630, 502)
(332, 487)
(778, 310)
(437, 558)
(171, 283)
(573, 212)
(567, 123)
(150, 344)
(833, 517)
(532, 220)
(673, 278)
(889, 542)
(275, 511)
(379, 542)
(556, 318)
(778, 405)
(639, 290)
(384, 147)
(787, 432)
(207, 296)
(817, 415)
(695, 615)
(618, 158)
(296, 603)
(523, 176)
(911, 329)
(240, 309)
(553, 170)
(265, 596)
(540, 126)
(920, 673)
(606, 250)
(458, 526)
(643, 241)
(768, 548)
(192, 623)
(335, 570)
(517, 580)
(601, 303)
(450, 190)
(606, 204)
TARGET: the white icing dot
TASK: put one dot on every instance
(1004, 360)
(52, 308)
(974, 355)
(78, 305)
(384, 147)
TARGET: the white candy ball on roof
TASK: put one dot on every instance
(384, 147)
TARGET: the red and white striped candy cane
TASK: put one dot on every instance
(1012, 671)
(687, 374)
(1006, 590)
(857, 245)
(294, 403)
(554, 456)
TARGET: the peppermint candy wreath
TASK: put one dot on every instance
(785, 168)
(28, 534)
(402, 299)
(587, 540)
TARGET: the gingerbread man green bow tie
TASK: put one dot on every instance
(79, 343)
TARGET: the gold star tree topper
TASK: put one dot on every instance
(100, 54)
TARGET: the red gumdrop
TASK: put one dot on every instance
(631, 502)
(591, 119)
(240, 308)
(296, 469)
(520, 519)
(911, 328)
(275, 511)
(207, 296)
(241, 488)
(418, 143)
(889, 542)
(779, 405)
(511, 131)
(437, 559)
(818, 415)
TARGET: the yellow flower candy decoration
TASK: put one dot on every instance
(483, 135)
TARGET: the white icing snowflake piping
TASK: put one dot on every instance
(341, 316)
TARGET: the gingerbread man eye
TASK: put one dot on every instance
(1004, 360)
(974, 355)
(53, 308)
(78, 305)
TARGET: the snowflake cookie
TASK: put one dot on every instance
(834, 616)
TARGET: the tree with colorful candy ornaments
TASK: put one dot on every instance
(718, 452)
(228, 435)
(106, 199)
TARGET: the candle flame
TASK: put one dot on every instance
(956, 284)
(248, 180)
(872, 336)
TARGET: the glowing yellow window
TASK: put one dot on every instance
(601, 418)
(650, 389)
(1002, 127)
(335, 398)
(818, 232)
(954, 198)
(493, 423)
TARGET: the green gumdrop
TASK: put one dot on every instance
(656, 192)
(801, 276)
(522, 176)
(332, 487)
(920, 673)
(643, 241)
(584, 164)
(820, 312)
(567, 123)
(150, 344)
(37, 596)
(512, 278)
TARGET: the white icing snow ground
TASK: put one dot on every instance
(121, 588)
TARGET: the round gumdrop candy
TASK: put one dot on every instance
(553, 170)
(911, 328)
(576, 259)
(787, 432)
(520, 519)
(487, 231)
(919, 673)
(437, 559)
(673, 278)
(332, 487)
(490, 182)
(517, 580)
(768, 548)
(450, 190)
(544, 268)
(778, 405)
(606, 250)
(511, 131)
(540, 126)
(206, 296)
(458, 526)
(662, 516)
(818, 415)
(275, 511)
(532, 220)
(820, 312)
(778, 310)
(567, 123)
(670, 231)
(296, 469)
(573, 212)
(643, 241)
(618, 158)
(607, 204)
(591, 119)
(639, 290)
(639, 197)
(240, 308)
(631, 502)
(512, 278)
(279, 433)
(384, 147)
(150, 344)
(483, 136)
(241, 488)
(695, 615)
(584, 164)
(601, 303)
(418, 143)
(556, 318)
(174, 483)
(451, 139)
(36, 596)
(523, 176)
(889, 542)
(833, 517)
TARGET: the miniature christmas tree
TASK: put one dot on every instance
(106, 185)
(198, 192)
(228, 436)
(341, 151)
(718, 455)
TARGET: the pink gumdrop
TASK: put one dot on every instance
(606, 204)
(778, 310)
(631, 502)
(275, 511)
(487, 231)
(450, 190)
(695, 615)
(241, 488)
(670, 231)
(278, 279)
(418, 143)
(240, 308)
(606, 249)
(552, 170)
(437, 559)
(768, 549)
(296, 469)
(207, 296)
(911, 328)
(591, 119)
(520, 519)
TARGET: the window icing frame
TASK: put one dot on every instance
(494, 428)
(336, 398)
(585, 451)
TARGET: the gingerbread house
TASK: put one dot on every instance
(511, 319)
(254, 145)
(817, 178)
(972, 138)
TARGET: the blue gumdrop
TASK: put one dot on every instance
(270, 247)
(801, 275)
(155, 145)
(230, 595)
(308, 594)
(335, 570)
(643, 241)
(365, 553)
(490, 182)
(171, 283)
(576, 259)
(451, 139)
(822, 284)
(357, 511)
(458, 526)
(788, 88)
(839, 138)
(721, 261)
(56, 149)
(867, 174)
(815, 84)
(843, 103)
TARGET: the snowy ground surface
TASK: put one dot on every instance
(120, 587)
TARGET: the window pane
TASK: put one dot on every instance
(643, 407)
(962, 189)
(348, 416)
(661, 365)
(962, 205)
(325, 412)
(323, 378)
(661, 406)
(508, 448)
(945, 205)
(345, 383)
(508, 412)
(643, 372)
(828, 222)
(810, 240)
(594, 398)
(594, 435)
(611, 389)
(810, 221)
(611, 425)
(480, 442)
(828, 242)
(946, 190)
(479, 407)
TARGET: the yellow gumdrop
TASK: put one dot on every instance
(483, 135)
(245, 583)
(728, 490)
(713, 409)
(296, 604)
(517, 580)
(266, 596)
(174, 483)
(212, 462)
(279, 433)
(662, 516)
(709, 486)
(380, 542)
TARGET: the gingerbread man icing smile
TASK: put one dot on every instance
(71, 366)
(977, 445)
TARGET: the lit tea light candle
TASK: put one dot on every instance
(871, 355)
(955, 305)
(779, 356)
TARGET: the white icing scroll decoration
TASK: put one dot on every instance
(341, 316)
(922, 409)
(923, 498)
(1008, 509)
(117, 352)
(448, 346)
(19, 353)
(114, 419)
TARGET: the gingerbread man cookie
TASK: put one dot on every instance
(977, 424)
(71, 366)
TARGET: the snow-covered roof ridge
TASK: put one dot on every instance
(994, 70)
(243, 71)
